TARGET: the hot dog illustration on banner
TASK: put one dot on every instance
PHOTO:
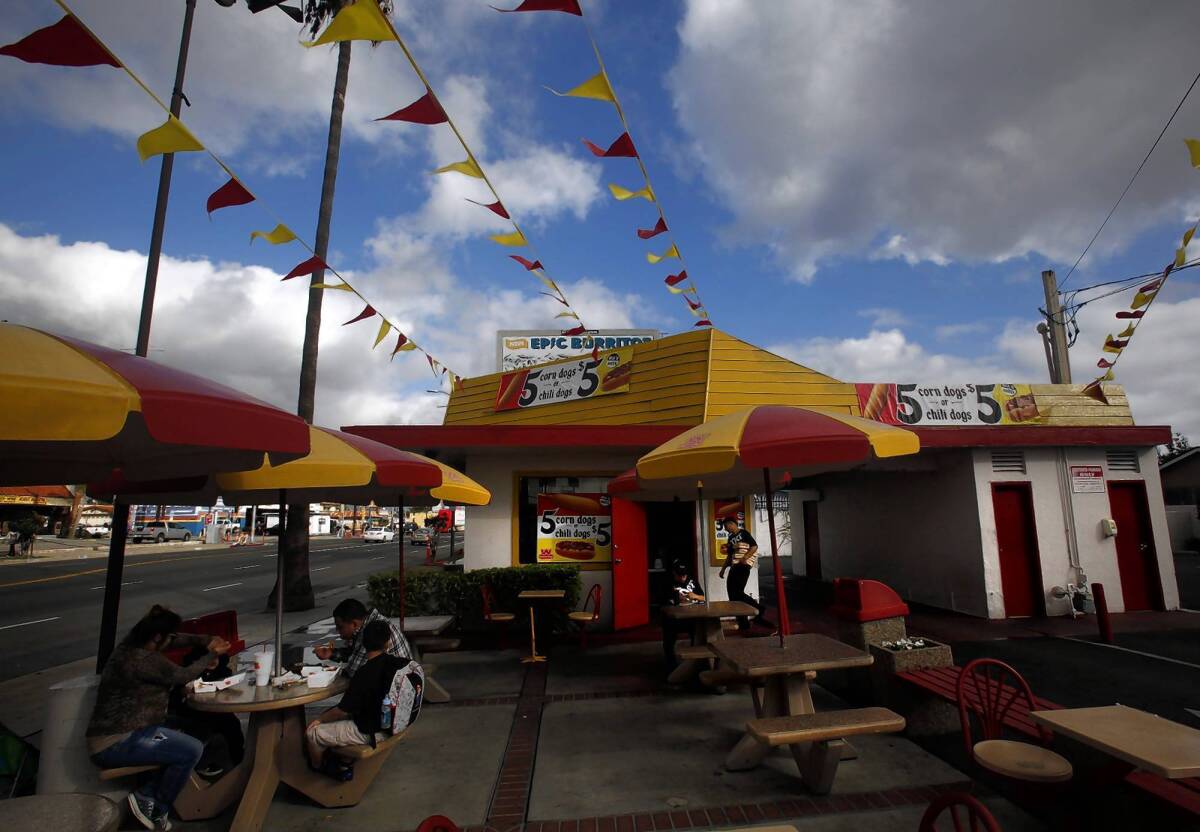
(574, 528)
(570, 380)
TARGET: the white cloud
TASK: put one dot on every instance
(952, 331)
(933, 132)
(882, 316)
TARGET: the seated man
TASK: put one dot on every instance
(681, 590)
(356, 720)
(350, 618)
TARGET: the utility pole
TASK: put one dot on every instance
(1061, 370)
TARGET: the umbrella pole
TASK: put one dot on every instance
(780, 600)
(112, 583)
(703, 567)
(400, 571)
(279, 558)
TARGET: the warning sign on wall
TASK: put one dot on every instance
(1087, 479)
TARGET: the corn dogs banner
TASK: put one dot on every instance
(566, 381)
(949, 404)
(574, 528)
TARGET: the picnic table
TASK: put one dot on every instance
(1139, 739)
(532, 596)
(416, 627)
(274, 737)
(60, 812)
(705, 618)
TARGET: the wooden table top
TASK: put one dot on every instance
(1147, 741)
(536, 594)
(245, 699)
(713, 609)
(426, 625)
(800, 653)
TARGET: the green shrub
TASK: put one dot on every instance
(460, 594)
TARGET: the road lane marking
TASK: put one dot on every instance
(126, 583)
(222, 586)
(251, 566)
(1130, 650)
(320, 569)
(27, 623)
(378, 558)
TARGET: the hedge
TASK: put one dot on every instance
(460, 594)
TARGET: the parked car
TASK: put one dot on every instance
(92, 530)
(159, 531)
(420, 535)
(379, 533)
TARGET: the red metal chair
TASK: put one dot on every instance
(976, 816)
(582, 617)
(989, 689)
(491, 616)
(437, 823)
(223, 624)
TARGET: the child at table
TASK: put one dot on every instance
(681, 590)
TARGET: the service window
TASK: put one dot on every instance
(564, 519)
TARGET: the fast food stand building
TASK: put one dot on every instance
(1017, 490)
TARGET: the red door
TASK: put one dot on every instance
(1137, 561)
(631, 565)
(1016, 534)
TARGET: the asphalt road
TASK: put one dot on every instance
(50, 611)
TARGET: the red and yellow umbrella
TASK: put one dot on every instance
(757, 450)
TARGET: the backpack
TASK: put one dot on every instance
(406, 693)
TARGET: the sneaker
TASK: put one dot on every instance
(211, 771)
(163, 821)
(144, 809)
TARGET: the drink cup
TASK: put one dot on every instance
(264, 664)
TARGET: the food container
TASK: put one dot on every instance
(320, 677)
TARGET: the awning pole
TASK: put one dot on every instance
(400, 571)
(279, 558)
(112, 583)
(780, 600)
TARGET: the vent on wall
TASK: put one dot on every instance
(1008, 462)
(1122, 459)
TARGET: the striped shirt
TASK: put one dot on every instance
(358, 653)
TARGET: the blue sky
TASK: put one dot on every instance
(870, 188)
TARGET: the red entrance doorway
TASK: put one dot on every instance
(1137, 560)
(630, 565)
(1016, 534)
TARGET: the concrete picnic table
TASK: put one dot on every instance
(705, 618)
(59, 812)
(1139, 739)
(416, 626)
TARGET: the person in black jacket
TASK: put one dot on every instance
(681, 590)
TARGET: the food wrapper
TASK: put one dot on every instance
(200, 686)
(322, 678)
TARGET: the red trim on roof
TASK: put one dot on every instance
(519, 436)
(1014, 435)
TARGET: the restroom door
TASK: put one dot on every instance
(1016, 534)
(1137, 561)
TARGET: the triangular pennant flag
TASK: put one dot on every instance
(169, 137)
(230, 194)
(433, 365)
(514, 239)
(1131, 315)
(621, 147)
(675, 290)
(1095, 391)
(567, 314)
(1187, 235)
(1113, 345)
(341, 287)
(458, 383)
(530, 266)
(1104, 363)
(675, 279)
(310, 266)
(276, 236)
(1151, 286)
(65, 43)
(658, 258)
(595, 353)
(368, 312)
(1107, 376)
(1128, 331)
(659, 228)
(1142, 299)
(496, 208)
(692, 303)
(568, 6)
(361, 20)
(403, 344)
(705, 322)
(467, 167)
(384, 328)
(596, 88)
(1180, 257)
(578, 330)
(1193, 146)
(623, 194)
(425, 110)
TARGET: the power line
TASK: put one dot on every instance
(1113, 210)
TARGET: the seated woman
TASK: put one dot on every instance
(127, 725)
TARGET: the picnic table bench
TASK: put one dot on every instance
(943, 682)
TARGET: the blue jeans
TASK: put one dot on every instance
(156, 745)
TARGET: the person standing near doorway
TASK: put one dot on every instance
(741, 553)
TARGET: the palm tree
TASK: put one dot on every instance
(293, 544)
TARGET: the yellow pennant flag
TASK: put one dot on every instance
(362, 20)
(567, 315)
(623, 194)
(1193, 146)
(672, 252)
(1107, 376)
(698, 312)
(1141, 299)
(276, 236)
(1180, 256)
(466, 167)
(341, 287)
(596, 88)
(550, 284)
(1127, 331)
(171, 137)
(384, 329)
(675, 290)
(514, 239)
(1187, 235)
(405, 347)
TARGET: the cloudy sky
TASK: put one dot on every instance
(870, 188)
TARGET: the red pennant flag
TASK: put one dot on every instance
(703, 322)
(230, 194)
(1152, 285)
(529, 265)
(368, 312)
(676, 279)
(1135, 315)
(401, 340)
(496, 208)
(595, 353)
(1105, 364)
(432, 363)
(309, 266)
(425, 110)
(66, 43)
(579, 330)
(692, 303)
(659, 228)
(567, 6)
(623, 146)
(1095, 391)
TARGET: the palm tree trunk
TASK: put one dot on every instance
(297, 587)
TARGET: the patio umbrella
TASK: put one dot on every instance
(761, 448)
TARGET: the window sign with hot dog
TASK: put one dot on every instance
(566, 381)
(949, 404)
(718, 538)
(574, 528)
